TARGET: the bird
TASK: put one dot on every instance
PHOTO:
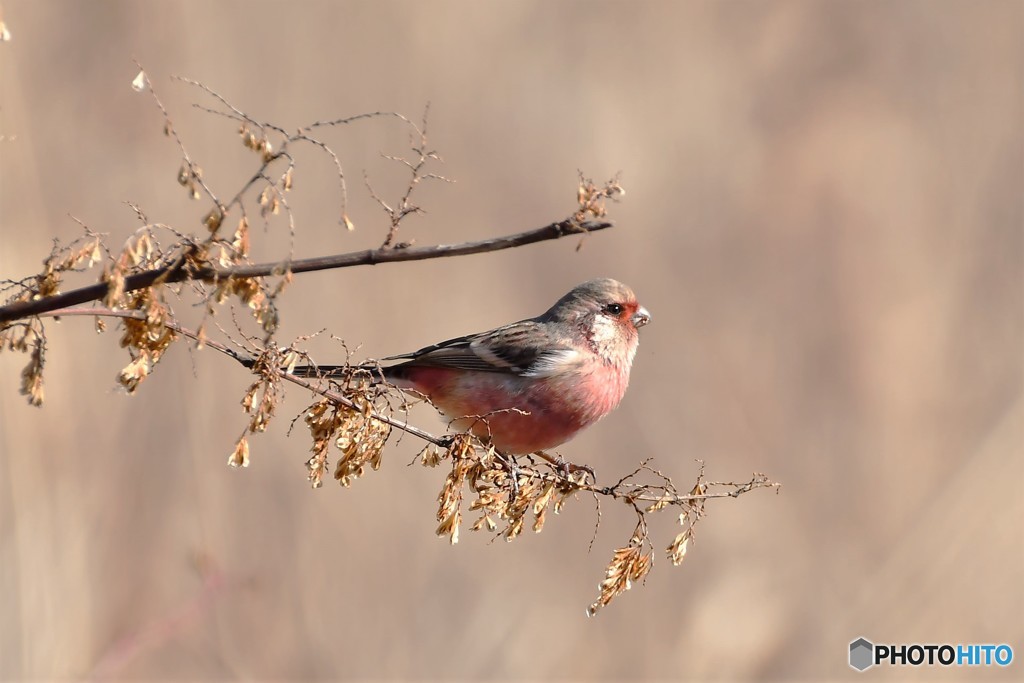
(531, 385)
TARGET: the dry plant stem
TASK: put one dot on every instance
(180, 272)
(244, 360)
(621, 490)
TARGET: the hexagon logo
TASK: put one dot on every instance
(862, 654)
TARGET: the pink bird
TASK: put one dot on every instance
(533, 384)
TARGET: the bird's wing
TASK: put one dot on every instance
(526, 348)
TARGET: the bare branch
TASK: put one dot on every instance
(180, 272)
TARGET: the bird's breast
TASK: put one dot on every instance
(521, 414)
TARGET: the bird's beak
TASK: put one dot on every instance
(641, 317)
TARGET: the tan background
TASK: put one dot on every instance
(823, 214)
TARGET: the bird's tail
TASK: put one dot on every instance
(318, 370)
(376, 373)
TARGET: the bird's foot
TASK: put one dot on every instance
(566, 468)
(512, 467)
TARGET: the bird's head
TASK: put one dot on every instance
(607, 314)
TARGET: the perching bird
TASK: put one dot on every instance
(533, 384)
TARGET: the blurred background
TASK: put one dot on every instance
(823, 214)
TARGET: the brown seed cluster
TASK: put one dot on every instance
(140, 252)
(629, 564)
(190, 177)
(358, 436)
(28, 337)
(693, 511)
(258, 143)
(592, 199)
(78, 256)
(267, 388)
(271, 200)
(261, 399)
(249, 291)
(146, 339)
(504, 491)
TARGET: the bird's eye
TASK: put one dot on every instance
(613, 309)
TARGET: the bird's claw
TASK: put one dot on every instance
(566, 468)
(570, 468)
(513, 474)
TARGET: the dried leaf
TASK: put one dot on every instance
(240, 456)
(139, 82)
(676, 551)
